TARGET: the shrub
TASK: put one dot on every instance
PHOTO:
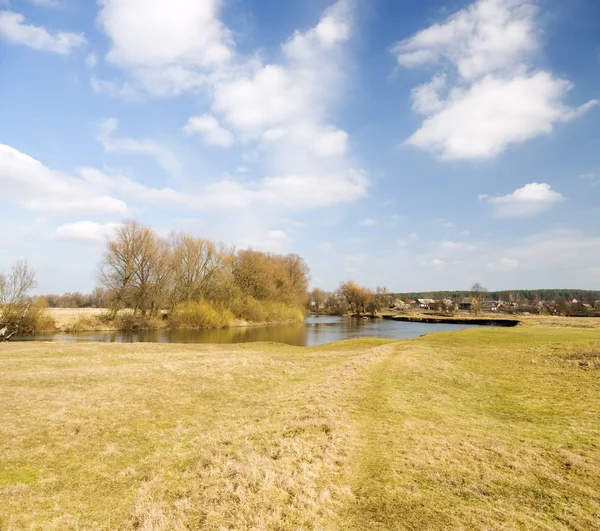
(256, 311)
(36, 320)
(128, 322)
(201, 314)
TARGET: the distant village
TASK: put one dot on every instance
(476, 304)
(358, 300)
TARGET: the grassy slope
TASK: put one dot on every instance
(481, 429)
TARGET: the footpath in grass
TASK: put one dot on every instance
(479, 429)
(484, 429)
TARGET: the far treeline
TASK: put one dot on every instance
(517, 295)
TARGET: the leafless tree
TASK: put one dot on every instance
(195, 263)
(15, 287)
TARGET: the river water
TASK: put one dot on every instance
(315, 330)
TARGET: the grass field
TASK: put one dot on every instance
(478, 429)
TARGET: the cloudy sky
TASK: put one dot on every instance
(417, 145)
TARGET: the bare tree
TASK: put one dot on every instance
(15, 287)
(318, 297)
(117, 266)
(478, 292)
(135, 268)
(195, 263)
(357, 297)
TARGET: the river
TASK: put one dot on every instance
(315, 330)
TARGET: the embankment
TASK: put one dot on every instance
(509, 323)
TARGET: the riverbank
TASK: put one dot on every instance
(452, 319)
(74, 320)
(482, 428)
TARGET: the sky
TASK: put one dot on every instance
(414, 145)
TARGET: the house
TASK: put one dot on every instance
(425, 303)
(435, 305)
(466, 304)
(489, 306)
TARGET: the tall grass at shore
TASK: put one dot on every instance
(199, 315)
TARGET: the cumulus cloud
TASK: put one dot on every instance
(368, 222)
(167, 47)
(208, 126)
(494, 98)
(529, 201)
(280, 112)
(86, 231)
(34, 186)
(14, 30)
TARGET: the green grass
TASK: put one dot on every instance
(479, 429)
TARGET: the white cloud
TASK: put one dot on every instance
(592, 178)
(286, 192)
(91, 60)
(86, 231)
(368, 222)
(487, 36)
(448, 245)
(280, 112)
(558, 250)
(426, 98)
(444, 223)
(482, 120)
(124, 91)
(510, 262)
(356, 257)
(408, 240)
(208, 126)
(438, 263)
(168, 47)
(531, 200)
(163, 156)
(13, 29)
(44, 3)
(35, 187)
(496, 98)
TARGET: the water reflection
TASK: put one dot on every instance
(316, 330)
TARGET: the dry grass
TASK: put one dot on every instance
(479, 429)
(78, 319)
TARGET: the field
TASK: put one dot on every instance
(478, 429)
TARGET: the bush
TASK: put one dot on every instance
(256, 311)
(202, 314)
(36, 321)
(128, 322)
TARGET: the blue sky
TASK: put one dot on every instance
(416, 145)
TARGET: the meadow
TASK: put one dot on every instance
(477, 429)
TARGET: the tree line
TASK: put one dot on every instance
(587, 296)
(147, 273)
(350, 297)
